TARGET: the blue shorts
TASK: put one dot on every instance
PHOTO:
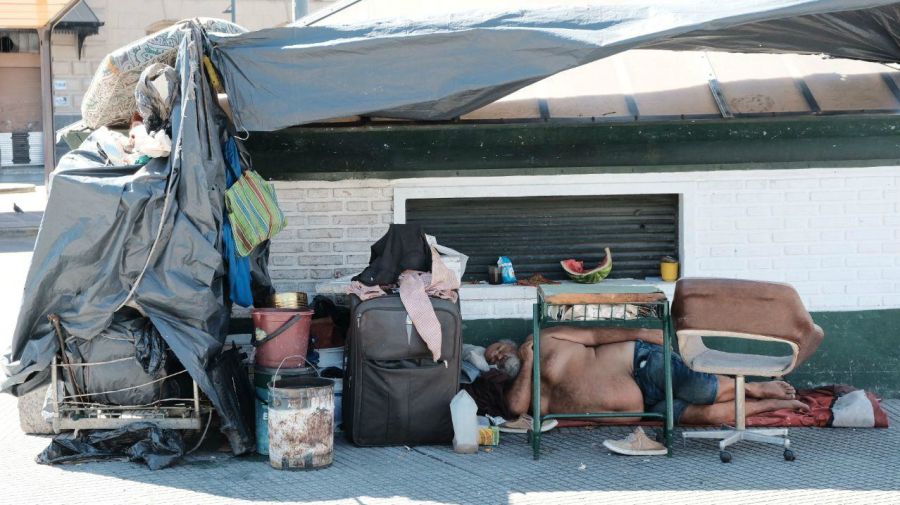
(688, 387)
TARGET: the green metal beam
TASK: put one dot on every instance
(578, 147)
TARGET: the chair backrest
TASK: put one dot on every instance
(745, 309)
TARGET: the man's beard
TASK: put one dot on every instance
(511, 365)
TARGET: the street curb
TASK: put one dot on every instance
(18, 232)
(7, 188)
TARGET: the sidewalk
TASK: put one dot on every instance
(833, 466)
(30, 199)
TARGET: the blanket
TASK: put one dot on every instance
(831, 406)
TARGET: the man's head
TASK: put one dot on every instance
(504, 354)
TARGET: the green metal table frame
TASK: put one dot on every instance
(656, 316)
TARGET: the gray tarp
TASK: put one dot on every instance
(440, 69)
(152, 232)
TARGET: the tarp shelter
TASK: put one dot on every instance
(152, 237)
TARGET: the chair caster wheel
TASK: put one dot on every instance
(789, 455)
(725, 456)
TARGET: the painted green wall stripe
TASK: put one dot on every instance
(860, 348)
(331, 153)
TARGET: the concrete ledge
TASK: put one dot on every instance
(12, 187)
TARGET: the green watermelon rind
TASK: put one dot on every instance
(592, 276)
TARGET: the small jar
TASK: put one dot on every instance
(668, 269)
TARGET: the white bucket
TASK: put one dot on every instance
(331, 357)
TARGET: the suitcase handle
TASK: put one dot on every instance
(281, 329)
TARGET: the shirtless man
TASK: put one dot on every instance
(622, 370)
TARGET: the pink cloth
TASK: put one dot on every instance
(415, 289)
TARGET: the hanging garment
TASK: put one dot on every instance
(238, 266)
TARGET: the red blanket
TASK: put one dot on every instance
(819, 400)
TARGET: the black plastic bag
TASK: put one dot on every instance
(141, 441)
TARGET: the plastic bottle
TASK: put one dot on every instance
(465, 423)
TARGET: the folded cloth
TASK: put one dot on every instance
(415, 288)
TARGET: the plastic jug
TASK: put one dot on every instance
(465, 423)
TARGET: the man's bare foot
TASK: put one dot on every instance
(779, 390)
(788, 404)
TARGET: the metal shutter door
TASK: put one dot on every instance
(537, 232)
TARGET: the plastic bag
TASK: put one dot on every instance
(507, 274)
(154, 93)
(141, 441)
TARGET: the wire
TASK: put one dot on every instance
(129, 388)
(203, 436)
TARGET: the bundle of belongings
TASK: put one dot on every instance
(136, 263)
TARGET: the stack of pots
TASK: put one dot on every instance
(281, 338)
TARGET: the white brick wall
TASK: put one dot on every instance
(330, 228)
(832, 233)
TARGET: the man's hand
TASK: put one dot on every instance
(526, 351)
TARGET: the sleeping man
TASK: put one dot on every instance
(622, 370)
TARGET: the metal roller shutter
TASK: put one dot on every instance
(537, 232)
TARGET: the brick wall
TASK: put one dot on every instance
(834, 234)
(330, 228)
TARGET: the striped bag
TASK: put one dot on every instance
(253, 211)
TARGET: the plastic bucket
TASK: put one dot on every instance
(301, 423)
(338, 397)
(331, 357)
(288, 348)
(261, 379)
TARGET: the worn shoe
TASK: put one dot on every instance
(524, 423)
(636, 444)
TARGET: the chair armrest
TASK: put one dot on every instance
(691, 345)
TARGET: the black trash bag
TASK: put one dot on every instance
(403, 247)
(237, 409)
(141, 441)
(325, 307)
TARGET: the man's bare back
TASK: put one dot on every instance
(592, 370)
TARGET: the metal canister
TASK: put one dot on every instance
(301, 423)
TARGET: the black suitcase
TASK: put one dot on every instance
(394, 391)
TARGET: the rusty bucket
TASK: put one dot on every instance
(301, 423)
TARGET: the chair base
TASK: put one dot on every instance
(774, 436)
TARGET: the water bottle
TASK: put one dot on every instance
(464, 412)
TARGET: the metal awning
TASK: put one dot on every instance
(81, 21)
(31, 14)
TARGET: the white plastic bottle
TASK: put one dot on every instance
(464, 412)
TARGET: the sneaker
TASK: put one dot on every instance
(636, 444)
(524, 423)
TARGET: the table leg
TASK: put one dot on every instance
(667, 351)
(536, 383)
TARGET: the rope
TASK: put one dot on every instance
(103, 405)
(129, 388)
(96, 363)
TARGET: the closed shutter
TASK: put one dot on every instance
(537, 232)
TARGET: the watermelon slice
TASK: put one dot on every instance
(575, 269)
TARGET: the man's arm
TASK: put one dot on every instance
(593, 337)
(518, 398)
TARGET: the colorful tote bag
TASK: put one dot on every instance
(253, 211)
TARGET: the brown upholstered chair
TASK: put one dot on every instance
(748, 310)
